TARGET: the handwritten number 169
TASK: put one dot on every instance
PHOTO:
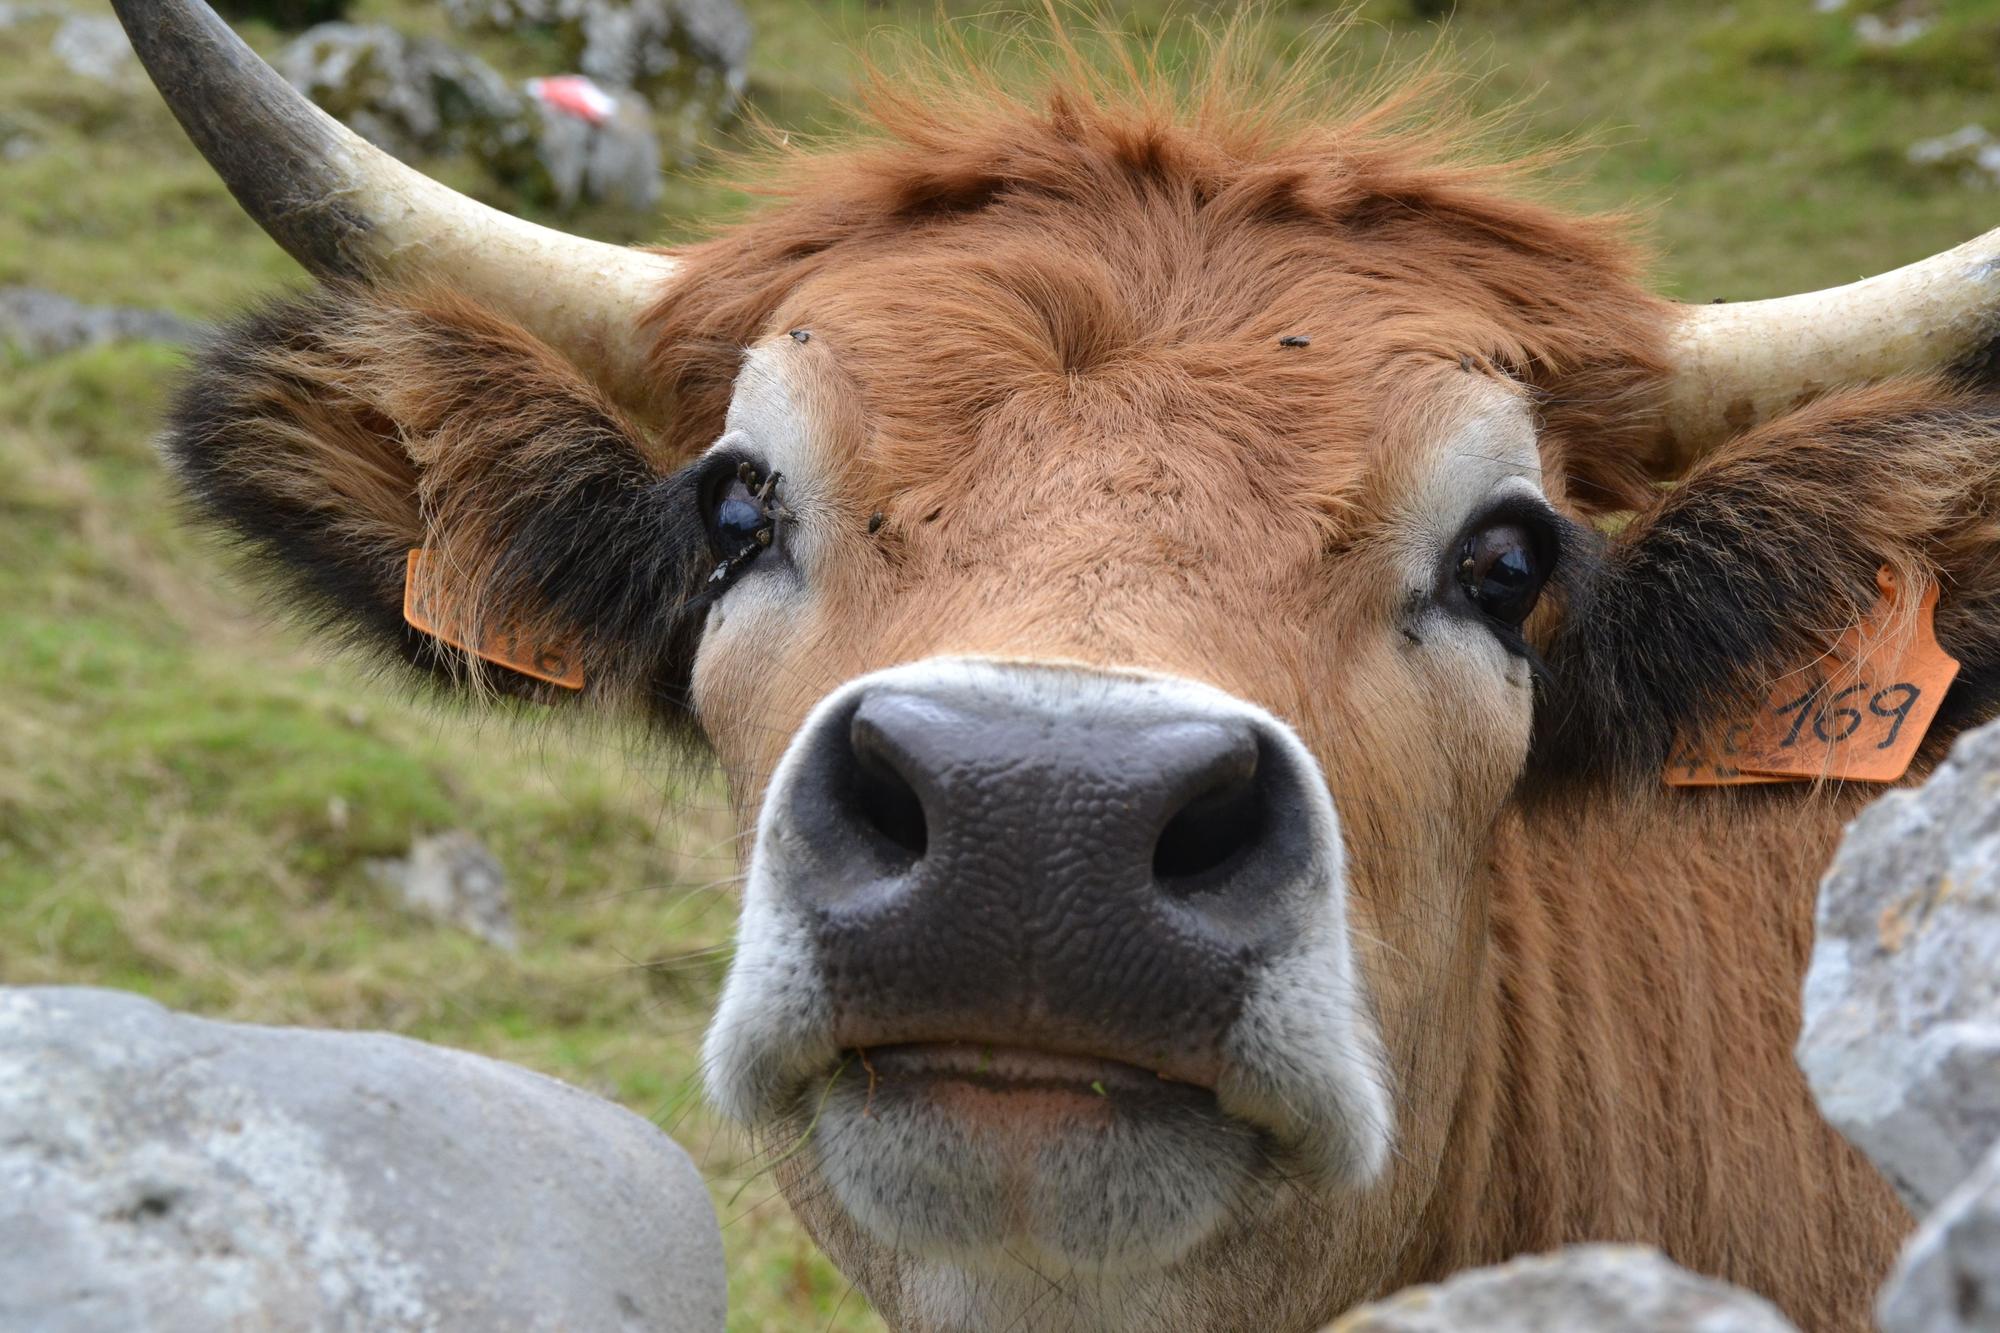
(1847, 719)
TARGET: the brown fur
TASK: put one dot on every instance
(1045, 346)
(1634, 1046)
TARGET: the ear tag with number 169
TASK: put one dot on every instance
(1857, 715)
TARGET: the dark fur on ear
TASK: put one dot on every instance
(334, 432)
(1762, 557)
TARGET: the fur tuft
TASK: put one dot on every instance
(1763, 556)
(334, 432)
(1068, 205)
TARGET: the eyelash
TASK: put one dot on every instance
(1558, 541)
(1556, 534)
(719, 476)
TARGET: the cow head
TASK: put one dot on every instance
(1111, 555)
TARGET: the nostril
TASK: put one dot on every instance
(882, 797)
(1215, 829)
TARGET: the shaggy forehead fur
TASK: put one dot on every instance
(974, 246)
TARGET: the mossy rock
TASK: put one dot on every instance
(284, 13)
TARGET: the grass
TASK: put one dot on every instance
(190, 792)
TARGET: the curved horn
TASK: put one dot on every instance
(1732, 366)
(344, 208)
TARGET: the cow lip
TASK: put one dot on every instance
(1007, 1066)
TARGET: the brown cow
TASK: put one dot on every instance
(1143, 574)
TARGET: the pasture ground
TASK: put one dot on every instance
(190, 791)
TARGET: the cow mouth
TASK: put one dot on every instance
(976, 1079)
(968, 1152)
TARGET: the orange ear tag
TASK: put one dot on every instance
(1856, 715)
(428, 606)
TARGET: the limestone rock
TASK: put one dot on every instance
(367, 77)
(689, 59)
(41, 323)
(284, 13)
(413, 96)
(16, 12)
(94, 46)
(1948, 1280)
(451, 877)
(613, 155)
(1584, 1289)
(1902, 1005)
(169, 1174)
(421, 96)
(1893, 31)
(1969, 153)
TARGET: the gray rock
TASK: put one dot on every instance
(362, 75)
(1948, 1280)
(616, 160)
(16, 12)
(421, 96)
(1970, 153)
(690, 59)
(171, 1175)
(506, 15)
(1584, 1289)
(1889, 33)
(94, 46)
(640, 43)
(411, 97)
(1902, 1006)
(451, 877)
(284, 13)
(41, 323)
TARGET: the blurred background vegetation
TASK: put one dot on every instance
(191, 793)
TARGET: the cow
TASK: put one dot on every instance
(1193, 598)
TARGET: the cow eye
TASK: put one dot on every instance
(739, 516)
(741, 511)
(1502, 568)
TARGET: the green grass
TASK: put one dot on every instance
(190, 793)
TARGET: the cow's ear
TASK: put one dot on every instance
(337, 432)
(1762, 556)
